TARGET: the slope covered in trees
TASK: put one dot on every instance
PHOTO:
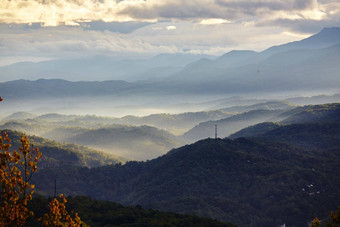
(308, 127)
(104, 213)
(63, 155)
(283, 174)
(247, 182)
(275, 178)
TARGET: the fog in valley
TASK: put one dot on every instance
(172, 99)
(226, 110)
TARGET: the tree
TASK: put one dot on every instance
(16, 170)
(58, 215)
(16, 190)
(335, 216)
(315, 222)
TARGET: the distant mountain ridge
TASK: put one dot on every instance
(99, 68)
(309, 64)
(263, 112)
(326, 37)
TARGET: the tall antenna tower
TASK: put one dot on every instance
(215, 131)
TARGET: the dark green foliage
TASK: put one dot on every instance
(286, 174)
(247, 182)
(308, 136)
(308, 127)
(255, 130)
(314, 113)
(104, 213)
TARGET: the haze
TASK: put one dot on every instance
(172, 65)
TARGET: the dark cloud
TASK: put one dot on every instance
(308, 23)
(250, 7)
(226, 9)
(175, 10)
(300, 25)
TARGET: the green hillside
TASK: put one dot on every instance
(285, 173)
(65, 155)
(246, 182)
(104, 213)
(311, 127)
(313, 113)
(255, 130)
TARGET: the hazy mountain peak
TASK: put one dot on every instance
(19, 115)
(325, 38)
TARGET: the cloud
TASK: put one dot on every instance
(64, 12)
(213, 21)
(69, 42)
(247, 6)
(71, 28)
(108, 14)
(310, 20)
(120, 27)
(171, 27)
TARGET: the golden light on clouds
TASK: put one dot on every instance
(208, 12)
(60, 12)
(58, 28)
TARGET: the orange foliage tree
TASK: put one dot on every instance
(58, 215)
(16, 190)
(16, 169)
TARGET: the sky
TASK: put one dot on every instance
(56, 29)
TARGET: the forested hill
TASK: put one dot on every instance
(314, 113)
(245, 181)
(65, 155)
(97, 213)
(308, 127)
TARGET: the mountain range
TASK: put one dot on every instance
(100, 68)
(309, 64)
(275, 160)
(282, 175)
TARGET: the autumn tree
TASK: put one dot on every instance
(315, 222)
(58, 215)
(16, 169)
(335, 219)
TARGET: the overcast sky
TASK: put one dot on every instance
(44, 29)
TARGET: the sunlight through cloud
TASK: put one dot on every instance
(213, 21)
